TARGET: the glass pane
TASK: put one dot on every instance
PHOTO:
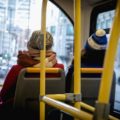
(19, 18)
(104, 21)
(17, 21)
(62, 30)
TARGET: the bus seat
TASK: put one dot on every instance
(27, 92)
(90, 84)
(90, 90)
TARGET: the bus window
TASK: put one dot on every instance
(62, 30)
(15, 28)
(104, 20)
(18, 20)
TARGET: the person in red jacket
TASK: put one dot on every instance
(30, 58)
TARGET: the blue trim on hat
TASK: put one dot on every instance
(87, 46)
(101, 40)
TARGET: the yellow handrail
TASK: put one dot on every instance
(57, 96)
(67, 108)
(47, 70)
(92, 109)
(63, 97)
(42, 60)
(91, 70)
(57, 70)
(77, 47)
(105, 86)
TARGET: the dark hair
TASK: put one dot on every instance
(93, 57)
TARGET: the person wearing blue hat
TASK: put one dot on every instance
(95, 46)
(92, 55)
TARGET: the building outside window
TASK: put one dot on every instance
(18, 19)
(52, 29)
(63, 35)
(69, 30)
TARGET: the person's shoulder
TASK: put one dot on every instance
(59, 65)
(15, 68)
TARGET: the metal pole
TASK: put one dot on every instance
(77, 53)
(106, 82)
(67, 108)
(42, 60)
(102, 105)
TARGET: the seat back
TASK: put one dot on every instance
(27, 91)
(90, 90)
(90, 84)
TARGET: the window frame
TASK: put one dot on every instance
(100, 9)
(63, 11)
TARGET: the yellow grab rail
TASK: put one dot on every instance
(105, 86)
(77, 46)
(57, 96)
(67, 108)
(77, 49)
(92, 109)
(47, 70)
(42, 59)
(63, 97)
(57, 70)
(91, 70)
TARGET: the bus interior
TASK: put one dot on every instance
(19, 18)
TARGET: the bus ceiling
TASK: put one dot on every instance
(90, 2)
(62, 4)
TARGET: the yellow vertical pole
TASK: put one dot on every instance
(106, 82)
(77, 53)
(42, 59)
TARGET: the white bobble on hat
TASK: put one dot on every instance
(100, 33)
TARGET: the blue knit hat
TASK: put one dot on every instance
(97, 41)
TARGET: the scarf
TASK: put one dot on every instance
(50, 59)
(28, 59)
